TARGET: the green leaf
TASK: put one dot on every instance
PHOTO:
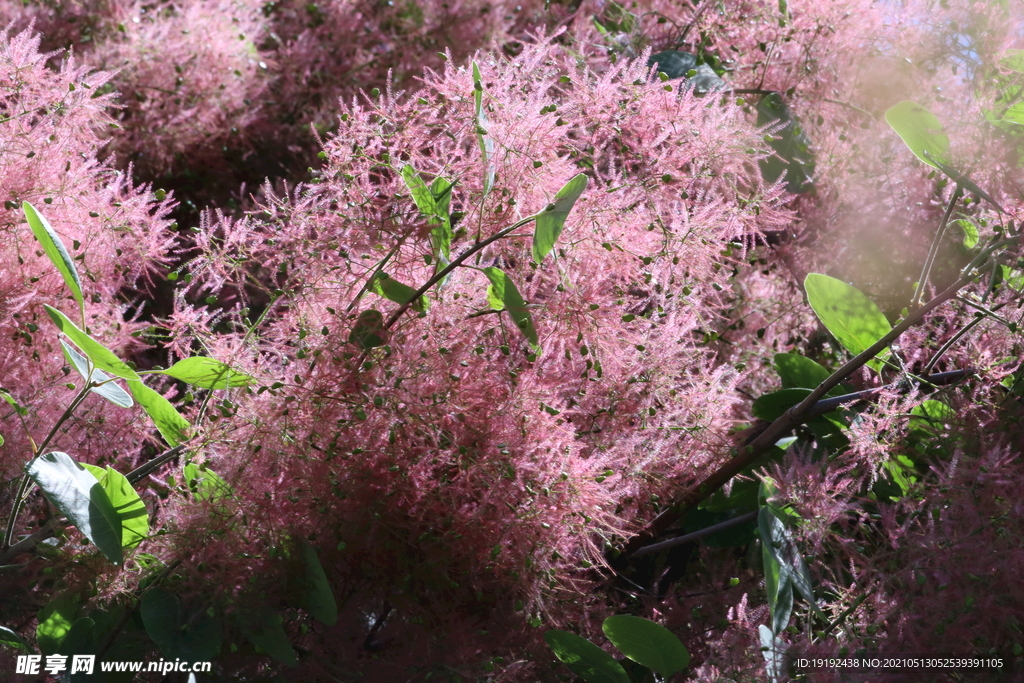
(101, 356)
(76, 493)
(368, 332)
(585, 659)
(393, 290)
(12, 640)
(647, 643)
(108, 390)
(191, 638)
(263, 628)
(963, 181)
(205, 372)
(503, 295)
(171, 425)
(901, 469)
(206, 484)
(441, 236)
(777, 574)
(159, 610)
(851, 317)
(970, 231)
(773, 649)
(56, 251)
(13, 403)
(485, 141)
(771, 406)
(920, 130)
(798, 371)
(928, 417)
(55, 620)
(130, 508)
(1013, 60)
(316, 596)
(551, 220)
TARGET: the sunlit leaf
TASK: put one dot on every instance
(485, 141)
(81, 498)
(102, 357)
(205, 372)
(585, 659)
(920, 130)
(393, 290)
(56, 251)
(502, 294)
(970, 232)
(169, 422)
(551, 220)
(206, 484)
(263, 628)
(851, 317)
(647, 643)
(108, 389)
(126, 501)
(55, 620)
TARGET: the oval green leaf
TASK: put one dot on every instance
(102, 357)
(315, 595)
(368, 332)
(647, 643)
(205, 484)
(851, 317)
(920, 130)
(502, 294)
(263, 628)
(108, 390)
(391, 289)
(129, 506)
(207, 373)
(75, 492)
(585, 659)
(160, 616)
(550, 221)
(55, 620)
(970, 231)
(171, 425)
(56, 251)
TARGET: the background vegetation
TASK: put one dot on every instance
(636, 280)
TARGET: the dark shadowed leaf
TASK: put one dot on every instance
(171, 425)
(316, 596)
(75, 492)
(647, 643)
(551, 220)
(108, 390)
(56, 251)
(585, 659)
(12, 640)
(263, 628)
(101, 356)
(368, 332)
(205, 372)
(851, 317)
